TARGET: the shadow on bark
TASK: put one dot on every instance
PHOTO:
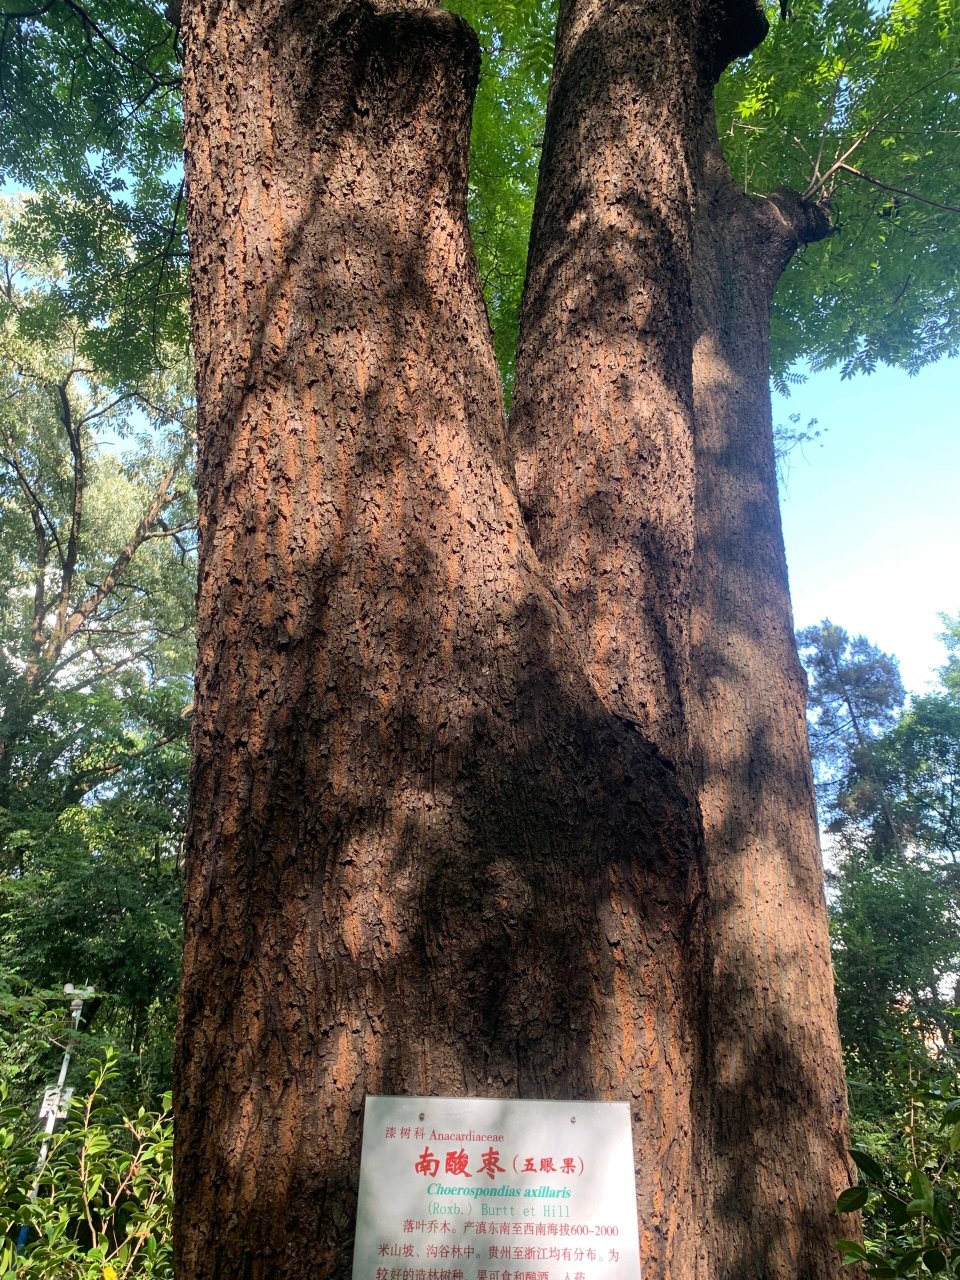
(425, 855)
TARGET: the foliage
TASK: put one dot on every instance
(909, 1186)
(517, 41)
(887, 790)
(853, 104)
(90, 123)
(850, 102)
(104, 1196)
(896, 924)
(854, 692)
(33, 1033)
(950, 673)
(96, 544)
(917, 766)
(856, 103)
(791, 435)
(896, 948)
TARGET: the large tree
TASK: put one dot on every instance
(887, 786)
(500, 777)
(96, 510)
(87, 97)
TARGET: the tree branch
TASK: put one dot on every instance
(816, 184)
(900, 191)
(161, 499)
(167, 248)
(88, 779)
(39, 586)
(89, 23)
(32, 498)
(16, 14)
(57, 640)
(99, 413)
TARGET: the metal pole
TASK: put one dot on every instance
(56, 1099)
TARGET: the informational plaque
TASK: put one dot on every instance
(496, 1189)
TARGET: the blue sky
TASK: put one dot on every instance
(871, 510)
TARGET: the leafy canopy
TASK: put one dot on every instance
(858, 104)
(90, 124)
(848, 101)
(96, 543)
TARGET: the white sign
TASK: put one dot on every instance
(56, 1102)
(496, 1189)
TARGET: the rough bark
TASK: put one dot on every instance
(424, 855)
(646, 471)
(775, 1101)
(450, 747)
(602, 417)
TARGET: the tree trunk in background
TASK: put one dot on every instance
(448, 742)
(424, 855)
(774, 1105)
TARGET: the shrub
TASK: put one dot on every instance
(910, 1194)
(103, 1198)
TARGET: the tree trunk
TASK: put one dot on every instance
(424, 856)
(444, 834)
(646, 470)
(774, 1104)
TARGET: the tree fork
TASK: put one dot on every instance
(423, 855)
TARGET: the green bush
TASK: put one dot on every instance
(104, 1197)
(909, 1192)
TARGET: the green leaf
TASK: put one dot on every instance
(852, 1199)
(867, 1164)
(935, 1261)
(921, 1187)
(941, 1216)
(852, 1251)
(896, 1208)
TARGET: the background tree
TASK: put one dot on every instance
(856, 105)
(893, 900)
(951, 670)
(95, 655)
(854, 693)
(91, 127)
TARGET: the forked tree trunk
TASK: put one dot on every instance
(424, 855)
(444, 835)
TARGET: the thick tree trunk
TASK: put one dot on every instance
(646, 472)
(424, 855)
(602, 415)
(448, 748)
(774, 1105)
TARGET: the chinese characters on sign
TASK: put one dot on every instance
(495, 1189)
